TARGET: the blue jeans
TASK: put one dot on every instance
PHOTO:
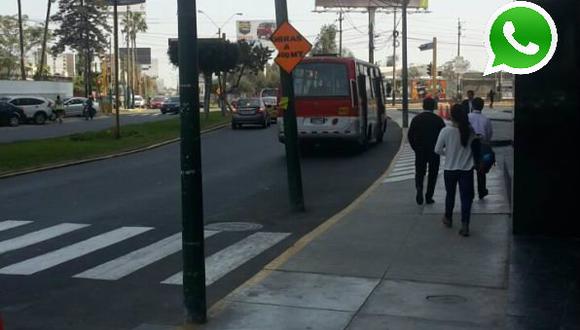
(466, 193)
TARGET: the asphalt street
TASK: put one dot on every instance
(73, 125)
(95, 247)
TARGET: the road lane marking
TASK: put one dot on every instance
(232, 257)
(38, 236)
(132, 262)
(403, 172)
(9, 224)
(57, 257)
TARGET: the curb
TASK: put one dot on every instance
(96, 159)
(300, 244)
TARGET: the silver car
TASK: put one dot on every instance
(75, 106)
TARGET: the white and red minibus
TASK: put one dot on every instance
(338, 98)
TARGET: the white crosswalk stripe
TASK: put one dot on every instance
(54, 258)
(38, 236)
(130, 263)
(217, 265)
(232, 257)
(9, 224)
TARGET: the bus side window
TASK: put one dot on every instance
(370, 94)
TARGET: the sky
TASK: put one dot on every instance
(440, 22)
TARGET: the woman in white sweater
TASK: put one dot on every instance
(456, 142)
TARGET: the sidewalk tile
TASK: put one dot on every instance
(433, 253)
(363, 244)
(384, 322)
(440, 302)
(245, 316)
(309, 291)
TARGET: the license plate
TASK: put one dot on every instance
(317, 121)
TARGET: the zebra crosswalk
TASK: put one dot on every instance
(117, 267)
(404, 168)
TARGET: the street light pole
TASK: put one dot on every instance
(194, 290)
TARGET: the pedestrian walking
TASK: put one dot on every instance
(459, 145)
(482, 127)
(491, 96)
(59, 109)
(422, 137)
(468, 103)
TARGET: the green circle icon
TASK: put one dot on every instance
(522, 39)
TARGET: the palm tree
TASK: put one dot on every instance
(133, 24)
(22, 68)
(40, 71)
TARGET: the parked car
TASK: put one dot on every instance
(157, 102)
(10, 115)
(138, 101)
(170, 105)
(36, 109)
(74, 106)
(250, 111)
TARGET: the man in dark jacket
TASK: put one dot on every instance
(468, 104)
(422, 135)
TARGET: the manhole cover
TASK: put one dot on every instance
(447, 299)
(233, 226)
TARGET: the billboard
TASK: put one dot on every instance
(143, 55)
(256, 31)
(424, 4)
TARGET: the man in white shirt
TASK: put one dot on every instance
(482, 127)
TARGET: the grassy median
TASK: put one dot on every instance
(26, 155)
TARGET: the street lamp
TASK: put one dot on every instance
(217, 26)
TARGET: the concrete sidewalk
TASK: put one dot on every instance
(385, 263)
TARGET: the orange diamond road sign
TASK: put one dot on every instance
(292, 46)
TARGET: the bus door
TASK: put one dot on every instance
(364, 108)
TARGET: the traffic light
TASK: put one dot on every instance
(429, 69)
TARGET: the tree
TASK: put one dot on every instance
(414, 73)
(41, 70)
(326, 41)
(215, 55)
(83, 27)
(133, 24)
(10, 54)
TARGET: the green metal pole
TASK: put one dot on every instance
(290, 127)
(116, 42)
(191, 177)
(405, 69)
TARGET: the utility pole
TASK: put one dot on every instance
(290, 126)
(194, 290)
(405, 79)
(340, 19)
(116, 79)
(22, 67)
(395, 36)
(458, 37)
(372, 12)
(44, 39)
(434, 91)
(128, 58)
(458, 56)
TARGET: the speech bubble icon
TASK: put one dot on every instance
(522, 39)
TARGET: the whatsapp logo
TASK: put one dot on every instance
(522, 39)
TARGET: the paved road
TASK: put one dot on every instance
(74, 125)
(96, 246)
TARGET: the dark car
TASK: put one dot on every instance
(170, 105)
(11, 115)
(250, 111)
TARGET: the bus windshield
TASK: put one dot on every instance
(321, 79)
